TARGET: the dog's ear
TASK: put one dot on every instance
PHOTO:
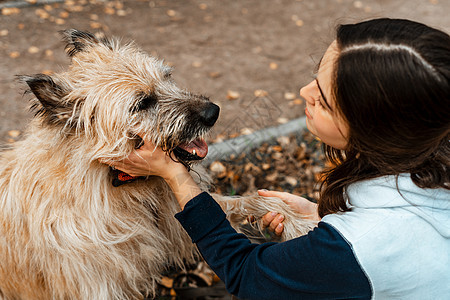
(49, 94)
(79, 41)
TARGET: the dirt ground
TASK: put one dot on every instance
(228, 50)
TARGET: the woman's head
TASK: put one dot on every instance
(390, 87)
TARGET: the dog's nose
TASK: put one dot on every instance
(209, 114)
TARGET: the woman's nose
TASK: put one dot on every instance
(307, 92)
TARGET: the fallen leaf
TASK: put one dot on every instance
(7, 11)
(232, 95)
(41, 13)
(14, 133)
(48, 7)
(282, 120)
(95, 25)
(4, 32)
(246, 131)
(289, 96)
(203, 6)
(291, 180)
(64, 14)
(358, 4)
(33, 50)
(214, 74)
(273, 66)
(171, 13)
(60, 21)
(260, 93)
(272, 177)
(167, 282)
(48, 52)
(197, 64)
(14, 54)
(121, 12)
(299, 23)
(109, 10)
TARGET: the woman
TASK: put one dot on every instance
(380, 103)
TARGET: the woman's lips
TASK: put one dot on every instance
(308, 115)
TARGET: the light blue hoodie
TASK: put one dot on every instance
(400, 234)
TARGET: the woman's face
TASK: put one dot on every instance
(321, 116)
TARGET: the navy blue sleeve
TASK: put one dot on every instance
(319, 265)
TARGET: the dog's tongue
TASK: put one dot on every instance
(199, 145)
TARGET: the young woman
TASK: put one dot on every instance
(381, 104)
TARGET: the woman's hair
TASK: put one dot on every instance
(392, 87)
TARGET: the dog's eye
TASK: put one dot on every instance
(146, 101)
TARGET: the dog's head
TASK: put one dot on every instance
(113, 93)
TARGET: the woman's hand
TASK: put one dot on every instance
(149, 160)
(152, 160)
(274, 220)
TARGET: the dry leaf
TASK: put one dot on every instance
(93, 17)
(214, 74)
(299, 23)
(167, 282)
(260, 93)
(4, 32)
(41, 13)
(197, 64)
(14, 54)
(60, 21)
(121, 13)
(95, 25)
(64, 14)
(20, 26)
(48, 7)
(109, 10)
(358, 4)
(282, 120)
(291, 180)
(273, 66)
(7, 11)
(219, 170)
(246, 131)
(203, 6)
(232, 95)
(289, 96)
(48, 52)
(265, 166)
(171, 13)
(32, 1)
(14, 133)
(33, 50)
(272, 177)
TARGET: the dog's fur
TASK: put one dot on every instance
(65, 231)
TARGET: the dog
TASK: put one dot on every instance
(66, 230)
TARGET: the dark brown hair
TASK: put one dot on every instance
(392, 86)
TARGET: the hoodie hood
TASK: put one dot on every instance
(432, 205)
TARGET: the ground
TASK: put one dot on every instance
(227, 50)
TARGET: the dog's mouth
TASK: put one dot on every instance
(195, 150)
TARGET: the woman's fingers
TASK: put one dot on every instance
(273, 221)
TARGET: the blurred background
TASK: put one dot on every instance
(243, 54)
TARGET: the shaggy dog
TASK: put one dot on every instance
(68, 232)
